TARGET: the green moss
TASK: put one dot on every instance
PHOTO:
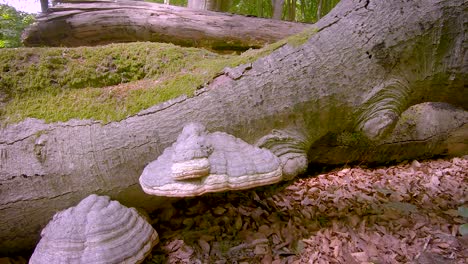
(301, 38)
(354, 139)
(58, 84)
(294, 40)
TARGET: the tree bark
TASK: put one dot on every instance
(277, 9)
(210, 5)
(44, 6)
(106, 21)
(319, 9)
(363, 70)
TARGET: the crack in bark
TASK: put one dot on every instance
(369, 39)
(329, 25)
(367, 4)
(15, 141)
(51, 127)
(21, 175)
(32, 200)
(424, 139)
(160, 107)
(115, 148)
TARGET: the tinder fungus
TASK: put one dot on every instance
(97, 230)
(200, 162)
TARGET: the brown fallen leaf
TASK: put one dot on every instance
(204, 246)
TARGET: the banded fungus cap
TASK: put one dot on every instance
(97, 230)
(215, 162)
(190, 153)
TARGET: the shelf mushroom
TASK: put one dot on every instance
(200, 162)
(97, 230)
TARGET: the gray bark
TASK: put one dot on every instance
(319, 9)
(277, 9)
(199, 4)
(366, 65)
(92, 23)
(211, 5)
(44, 6)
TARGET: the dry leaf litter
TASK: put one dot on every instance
(407, 213)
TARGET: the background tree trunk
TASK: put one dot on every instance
(44, 6)
(277, 9)
(106, 21)
(318, 89)
(210, 5)
(201, 4)
(319, 9)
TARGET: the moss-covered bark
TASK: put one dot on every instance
(101, 83)
(111, 82)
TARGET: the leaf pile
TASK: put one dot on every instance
(408, 213)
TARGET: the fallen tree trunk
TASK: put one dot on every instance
(89, 23)
(362, 78)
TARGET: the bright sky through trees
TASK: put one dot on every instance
(29, 6)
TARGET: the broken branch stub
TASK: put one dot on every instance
(200, 162)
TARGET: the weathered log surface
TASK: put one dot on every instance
(366, 64)
(89, 23)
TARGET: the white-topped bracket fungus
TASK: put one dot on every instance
(291, 148)
(200, 162)
(97, 230)
(191, 152)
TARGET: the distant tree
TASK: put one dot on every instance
(277, 8)
(212, 5)
(259, 8)
(292, 10)
(44, 5)
(12, 24)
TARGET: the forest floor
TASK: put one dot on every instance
(408, 213)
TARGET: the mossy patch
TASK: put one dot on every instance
(293, 40)
(108, 83)
(355, 140)
(57, 84)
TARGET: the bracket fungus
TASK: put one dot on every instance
(97, 230)
(200, 162)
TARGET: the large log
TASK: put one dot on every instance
(367, 66)
(89, 23)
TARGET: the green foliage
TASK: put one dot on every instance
(12, 24)
(293, 10)
(258, 8)
(172, 2)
